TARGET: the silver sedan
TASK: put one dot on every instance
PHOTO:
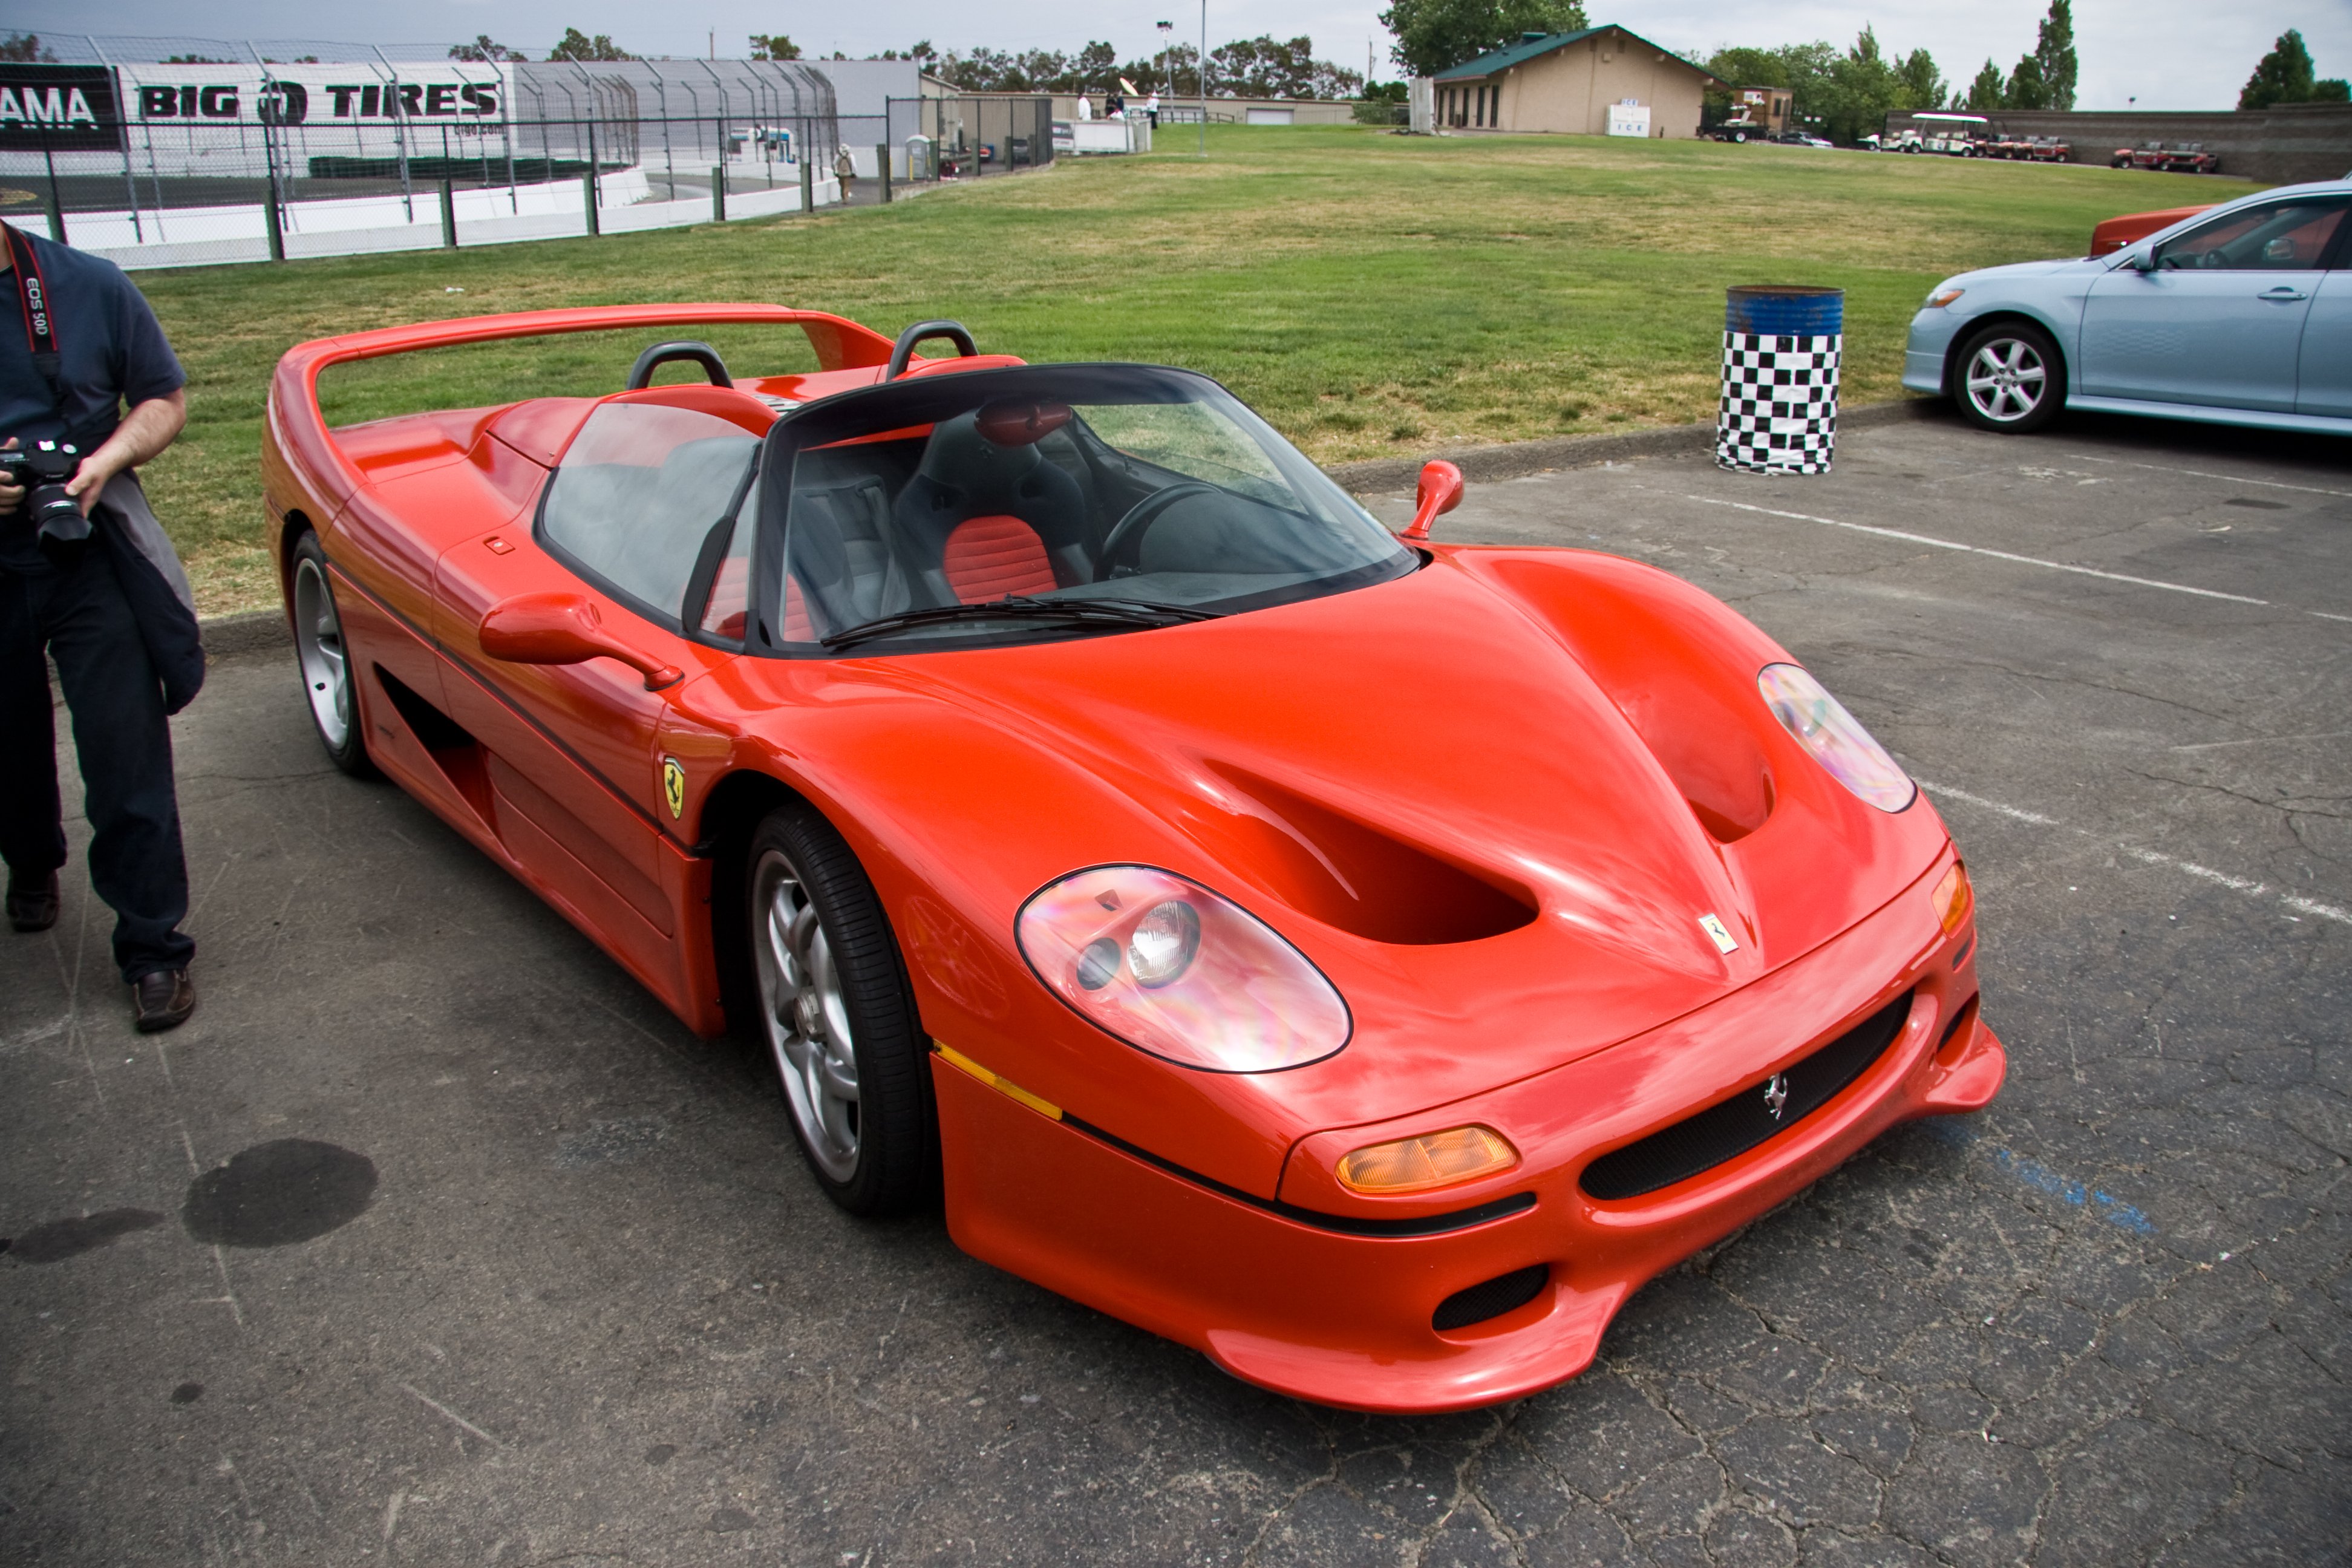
(2242, 315)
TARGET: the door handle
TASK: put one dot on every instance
(2283, 294)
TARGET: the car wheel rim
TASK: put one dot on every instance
(319, 648)
(2006, 380)
(806, 1015)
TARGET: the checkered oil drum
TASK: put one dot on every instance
(1780, 350)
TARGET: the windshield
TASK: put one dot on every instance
(992, 507)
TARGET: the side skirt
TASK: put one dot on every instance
(2249, 418)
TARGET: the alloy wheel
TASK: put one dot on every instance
(806, 1014)
(2006, 379)
(319, 648)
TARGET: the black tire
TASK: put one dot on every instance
(2009, 377)
(330, 685)
(825, 966)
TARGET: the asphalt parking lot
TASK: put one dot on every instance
(564, 1293)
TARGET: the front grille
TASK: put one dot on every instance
(1491, 1297)
(1736, 1125)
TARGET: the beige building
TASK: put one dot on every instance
(1600, 82)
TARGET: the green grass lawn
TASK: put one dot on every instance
(1372, 294)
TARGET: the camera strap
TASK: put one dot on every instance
(40, 327)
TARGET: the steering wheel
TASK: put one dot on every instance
(641, 374)
(1141, 516)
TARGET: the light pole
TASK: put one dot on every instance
(1166, 83)
(1204, 78)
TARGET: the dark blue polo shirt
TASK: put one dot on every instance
(113, 353)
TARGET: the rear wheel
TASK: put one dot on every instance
(325, 662)
(837, 1017)
(2009, 378)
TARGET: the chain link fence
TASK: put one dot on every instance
(171, 151)
(956, 137)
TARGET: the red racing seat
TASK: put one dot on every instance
(989, 557)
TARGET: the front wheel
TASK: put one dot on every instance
(2009, 378)
(837, 1018)
(325, 661)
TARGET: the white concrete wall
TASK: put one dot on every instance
(362, 225)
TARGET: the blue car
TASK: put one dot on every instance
(2242, 315)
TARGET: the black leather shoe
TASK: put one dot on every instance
(32, 901)
(163, 999)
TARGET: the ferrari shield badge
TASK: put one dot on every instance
(673, 787)
(1775, 1094)
(1716, 930)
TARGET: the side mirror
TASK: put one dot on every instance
(563, 629)
(1440, 491)
(2143, 261)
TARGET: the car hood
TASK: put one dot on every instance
(2015, 271)
(1492, 801)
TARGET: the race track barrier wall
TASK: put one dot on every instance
(169, 151)
(2280, 147)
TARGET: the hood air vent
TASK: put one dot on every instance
(1358, 877)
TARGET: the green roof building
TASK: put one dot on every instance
(1597, 82)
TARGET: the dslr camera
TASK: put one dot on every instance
(42, 469)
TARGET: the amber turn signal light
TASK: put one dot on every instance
(1432, 1160)
(1954, 898)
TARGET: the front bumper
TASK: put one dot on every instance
(1287, 1299)
(1927, 347)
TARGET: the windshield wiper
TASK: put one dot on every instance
(1026, 607)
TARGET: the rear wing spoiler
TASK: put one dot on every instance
(297, 427)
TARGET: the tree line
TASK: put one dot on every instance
(1262, 67)
(1845, 94)
(1848, 95)
(2287, 75)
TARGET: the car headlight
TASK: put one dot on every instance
(1943, 296)
(1177, 970)
(1834, 737)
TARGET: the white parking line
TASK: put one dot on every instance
(2202, 474)
(1934, 543)
(2266, 740)
(2244, 886)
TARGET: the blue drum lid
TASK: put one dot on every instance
(1792, 309)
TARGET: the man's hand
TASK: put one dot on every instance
(11, 496)
(89, 480)
(152, 427)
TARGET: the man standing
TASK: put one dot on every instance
(78, 345)
(845, 169)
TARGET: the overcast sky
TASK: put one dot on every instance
(2169, 54)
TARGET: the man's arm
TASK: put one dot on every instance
(152, 427)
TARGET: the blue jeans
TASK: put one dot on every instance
(124, 742)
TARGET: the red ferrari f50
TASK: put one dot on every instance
(1364, 959)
